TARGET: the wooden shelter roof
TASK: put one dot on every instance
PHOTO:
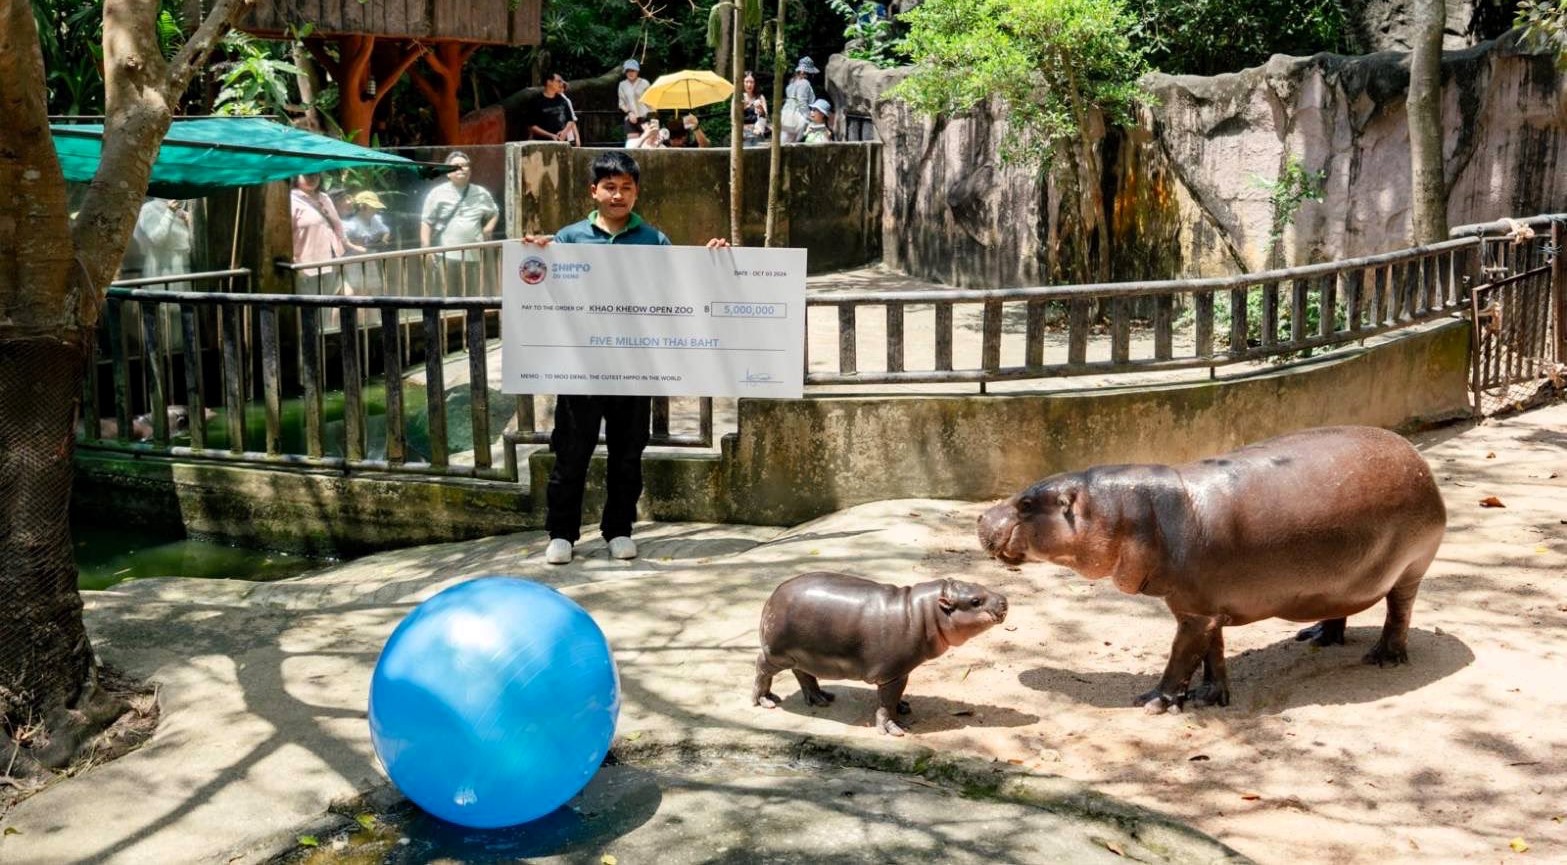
(492, 22)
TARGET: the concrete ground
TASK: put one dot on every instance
(1321, 759)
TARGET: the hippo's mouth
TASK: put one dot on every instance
(1003, 548)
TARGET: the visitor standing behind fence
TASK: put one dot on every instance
(797, 96)
(458, 211)
(816, 129)
(755, 107)
(613, 186)
(629, 96)
(318, 233)
(164, 237)
(551, 116)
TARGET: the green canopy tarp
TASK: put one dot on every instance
(202, 155)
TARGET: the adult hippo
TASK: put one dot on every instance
(1311, 526)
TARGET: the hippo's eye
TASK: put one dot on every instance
(1064, 502)
(977, 603)
(1026, 505)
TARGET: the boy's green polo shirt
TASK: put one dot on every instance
(637, 232)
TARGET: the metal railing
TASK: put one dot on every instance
(329, 377)
(1192, 323)
(464, 270)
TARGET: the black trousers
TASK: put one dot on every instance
(576, 434)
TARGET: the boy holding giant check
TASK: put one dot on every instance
(606, 314)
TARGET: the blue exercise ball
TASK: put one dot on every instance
(494, 702)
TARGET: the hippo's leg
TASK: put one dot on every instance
(762, 692)
(814, 695)
(1193, 634)
(890, 695)
(1328, 632)
(1393, 647)
(1215, 687)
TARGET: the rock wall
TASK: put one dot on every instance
(1184, 193)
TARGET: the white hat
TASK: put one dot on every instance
(807, 66)
(631, 65)
(822, 105)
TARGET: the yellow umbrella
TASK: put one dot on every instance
(688, 88)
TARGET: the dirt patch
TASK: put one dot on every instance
(1321, 758)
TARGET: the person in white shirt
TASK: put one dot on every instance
(629, 97)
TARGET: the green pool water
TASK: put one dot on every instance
(108, 555)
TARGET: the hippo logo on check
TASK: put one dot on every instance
(533, 270)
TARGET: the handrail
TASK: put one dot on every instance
(1145, 288)
(285, 264)
(1504, 226)
(199, 276)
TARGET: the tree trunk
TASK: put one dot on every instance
(446, 60)
(736, 125)
(53, 272)
(309, 82)
(774, 150)
(1428, 192)
(360, 60)
(725, 39)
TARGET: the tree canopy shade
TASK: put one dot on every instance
(205, 154)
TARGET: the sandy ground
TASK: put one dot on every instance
(1321, 758)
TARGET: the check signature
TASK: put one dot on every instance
(757, 377)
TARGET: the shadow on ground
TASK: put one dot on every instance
(1285, 675)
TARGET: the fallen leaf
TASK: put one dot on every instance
(1250, 797)
(963, 713)
(1491, 502)
(608, 859)
(366, 820)
(309, 841)
(1556, 819)
(1491, 455)
(1010, 628)
(1542, 548)
(12, 830)
(1197, 758)
(1519, 845)
(633, 735)
(1016, 762)
(1113, 848)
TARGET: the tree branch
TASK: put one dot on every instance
(193, 55)
(411, 54)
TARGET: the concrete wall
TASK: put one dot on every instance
(794, 460)
(831, 192)
(315, 512)
(1184, 189)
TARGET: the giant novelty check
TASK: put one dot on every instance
(652, 320)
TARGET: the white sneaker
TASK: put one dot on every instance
(558, 552)
(623, 547)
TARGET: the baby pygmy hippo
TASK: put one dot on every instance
(835, 626)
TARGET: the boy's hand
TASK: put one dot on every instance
(718, 243)
(538, 239)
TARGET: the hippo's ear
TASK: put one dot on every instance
(944, 600)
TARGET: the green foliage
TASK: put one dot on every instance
(1047, 61)
(1544, 24)
(1293, 187)
(256, 81)
(70, 34)
(1222, 319)
(1206, 37)
(872, 36)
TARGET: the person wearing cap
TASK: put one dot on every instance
(798, 95)
(365, 230)
(629, 97)
(816, 129)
